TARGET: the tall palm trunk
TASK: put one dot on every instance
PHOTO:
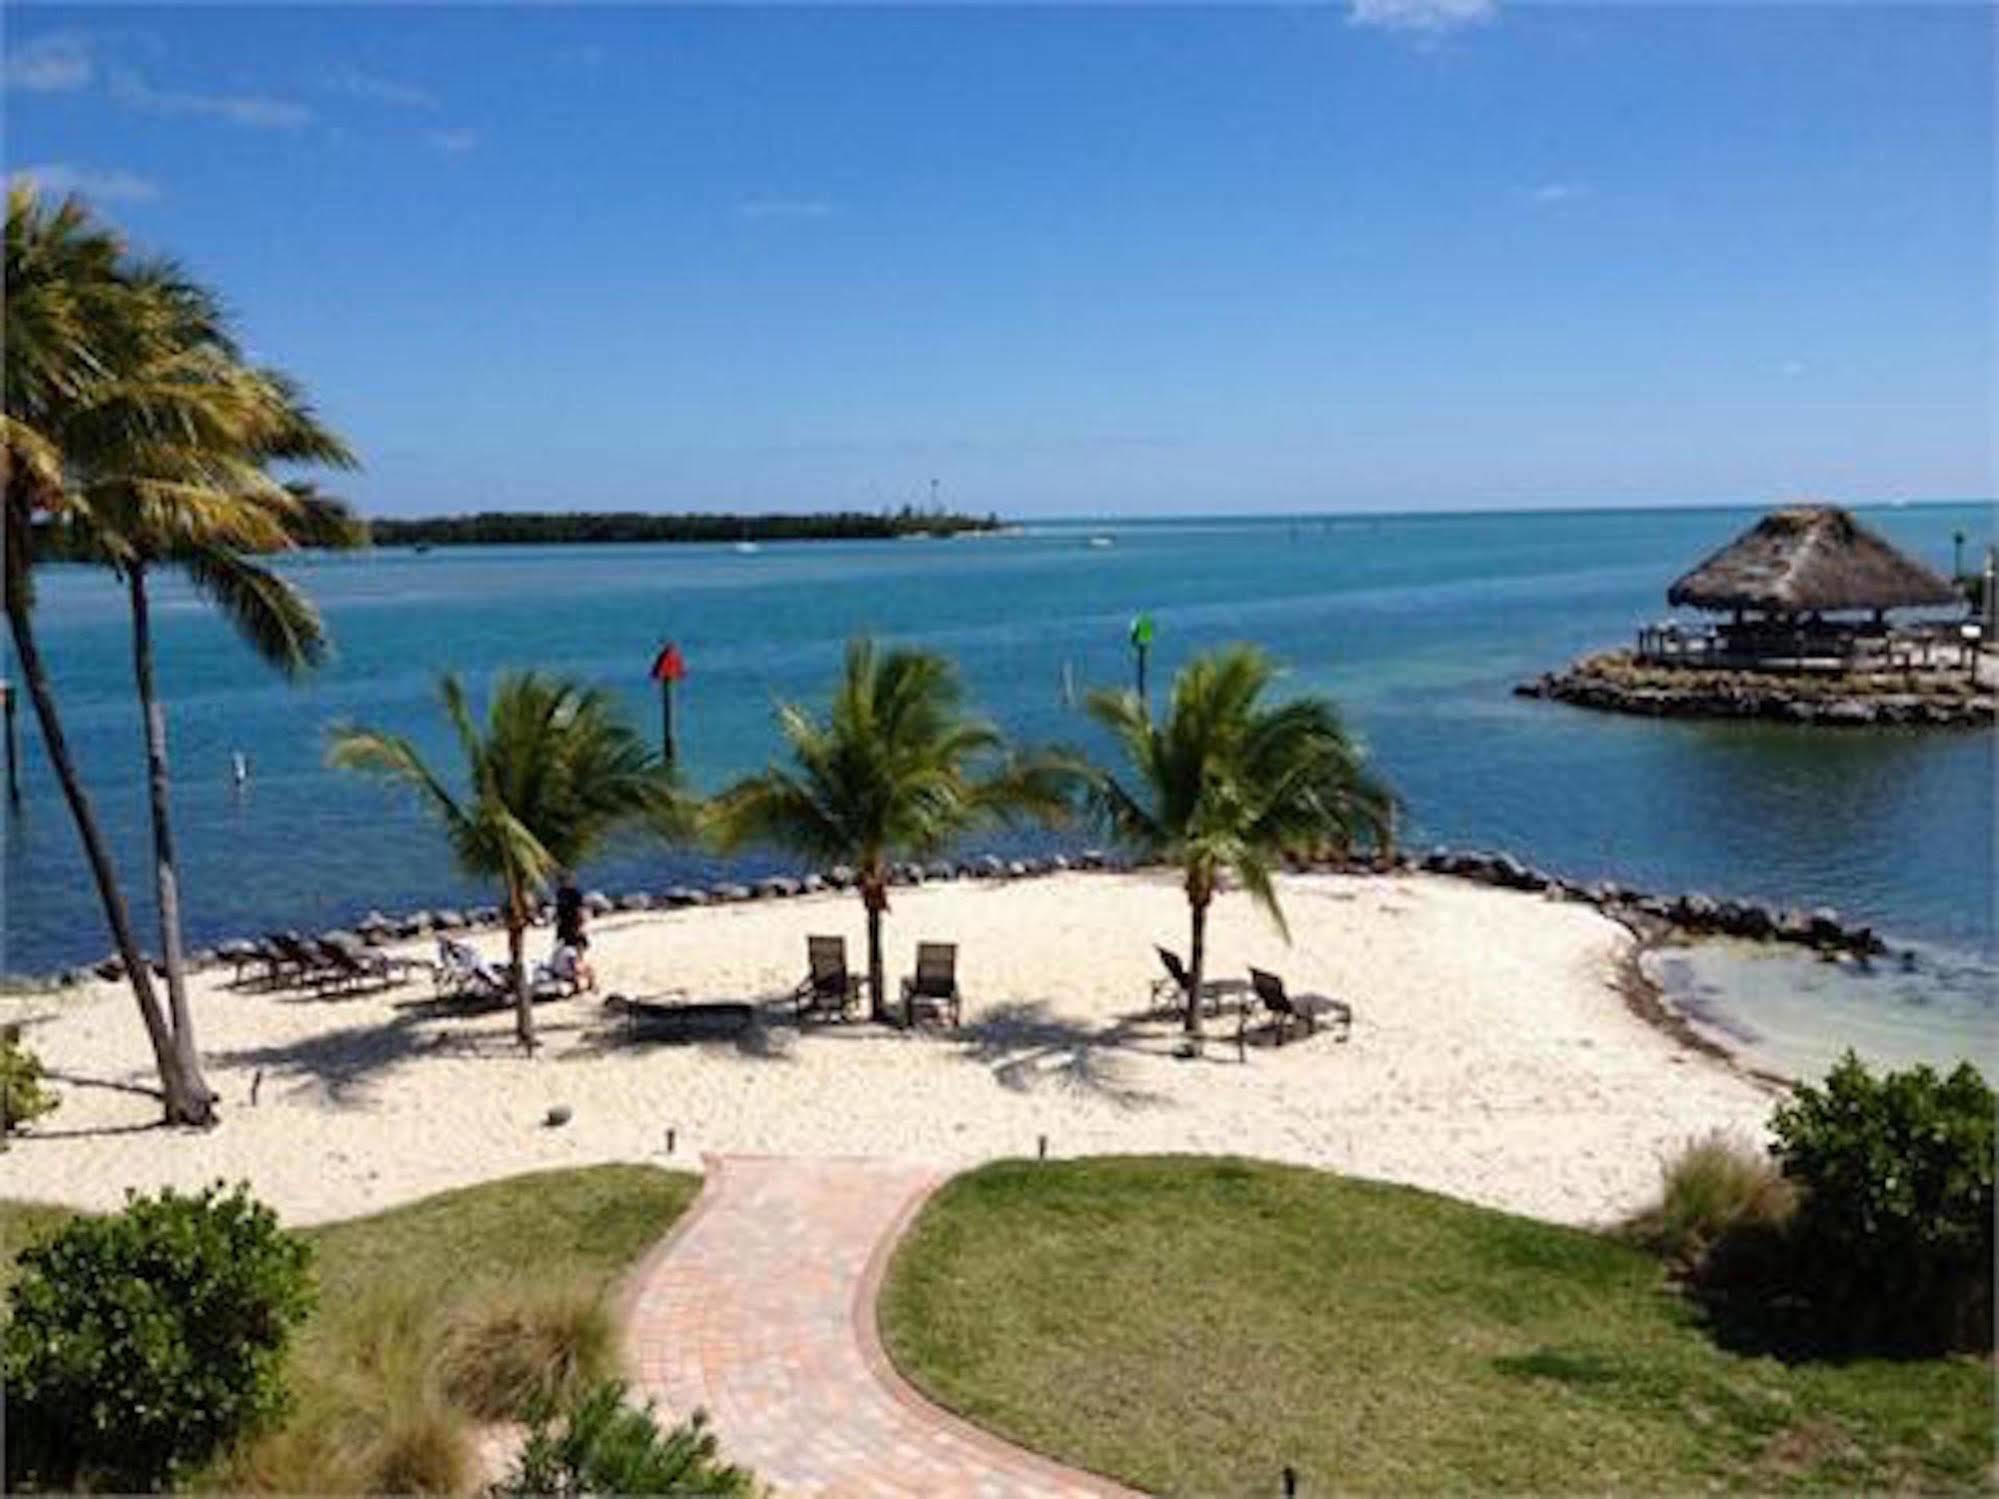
(517, 936)
(874, 896)
(187, 1100)
(1199, 893)
(166, 868)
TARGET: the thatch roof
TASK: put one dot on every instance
(1809, 558)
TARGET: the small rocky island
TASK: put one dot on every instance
(1807, 592)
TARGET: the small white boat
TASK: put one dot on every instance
(1101, 541)
(746, 547)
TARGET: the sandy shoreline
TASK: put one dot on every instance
(1491, 1058)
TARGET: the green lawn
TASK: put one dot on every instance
(386, 1282)
(1191, 1326)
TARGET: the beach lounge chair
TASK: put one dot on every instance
(1173, 988)
(934, 985)
(1285, 1007)
(345, 970)
(679, 1020)
(462, 974)
(300, 964)
(827, 988)
(256, 962)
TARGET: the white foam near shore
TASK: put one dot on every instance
(1491, 1056)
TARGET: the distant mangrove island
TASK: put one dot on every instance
(544, 528)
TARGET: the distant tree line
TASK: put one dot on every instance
(539, 528)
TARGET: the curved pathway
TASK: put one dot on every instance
(760, 1309)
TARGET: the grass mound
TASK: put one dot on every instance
(1194, 1326)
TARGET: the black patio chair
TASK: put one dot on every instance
(1285, 1007)
(828, 988)
(934, 985)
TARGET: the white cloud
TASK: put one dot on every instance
(453, 142)
(1428, 17)
(112, 185)
(784, 208)
(1559, 192)
(258, 111)
(56, 63)
(383, 90)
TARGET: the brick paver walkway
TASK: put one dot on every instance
(760, 1308)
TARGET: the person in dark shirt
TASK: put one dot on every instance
(569, 930)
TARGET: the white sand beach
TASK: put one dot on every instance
(1491, 1056)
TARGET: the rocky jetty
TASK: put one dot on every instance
(1616, 681)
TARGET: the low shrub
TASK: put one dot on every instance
(22, 1096)
(519, 1348)
(144, 1342)
(1893, 1236)
(605, 1446)
(1716, 1186)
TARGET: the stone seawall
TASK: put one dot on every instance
(1651, 915)
(1616, 682)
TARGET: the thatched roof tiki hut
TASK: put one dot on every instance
(1781, 580)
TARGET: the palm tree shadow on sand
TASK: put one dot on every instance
(1028, 1046)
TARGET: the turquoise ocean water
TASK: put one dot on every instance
(1419, 625)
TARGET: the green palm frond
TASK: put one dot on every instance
(895, 767)
(1225, 782)
(551, 772)
(276, 620)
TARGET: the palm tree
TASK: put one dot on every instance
(197, 496)
(78, 315)
(555, 772)
(896, 768)
(1228, 783)
(164, 456)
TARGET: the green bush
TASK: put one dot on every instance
(1892, 1241)
(519, 1348)
(608, 1447)
(1715, 1187)
(22, 1096)
(144, 1342)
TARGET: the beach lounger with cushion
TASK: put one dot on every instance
(1173, 988)
(933, 988)
(1285, 1007)
(462, 974)
(827, 988)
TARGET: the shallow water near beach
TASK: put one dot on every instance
(1419, 625)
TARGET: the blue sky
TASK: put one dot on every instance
(1411, 254)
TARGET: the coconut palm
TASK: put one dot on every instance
(164, 454)
(897, 768)
(79, 316)
(1230, 783)
(554, 772)
(196, 497)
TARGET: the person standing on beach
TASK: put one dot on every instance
(569, 929)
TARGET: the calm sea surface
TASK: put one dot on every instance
(1418, 625)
